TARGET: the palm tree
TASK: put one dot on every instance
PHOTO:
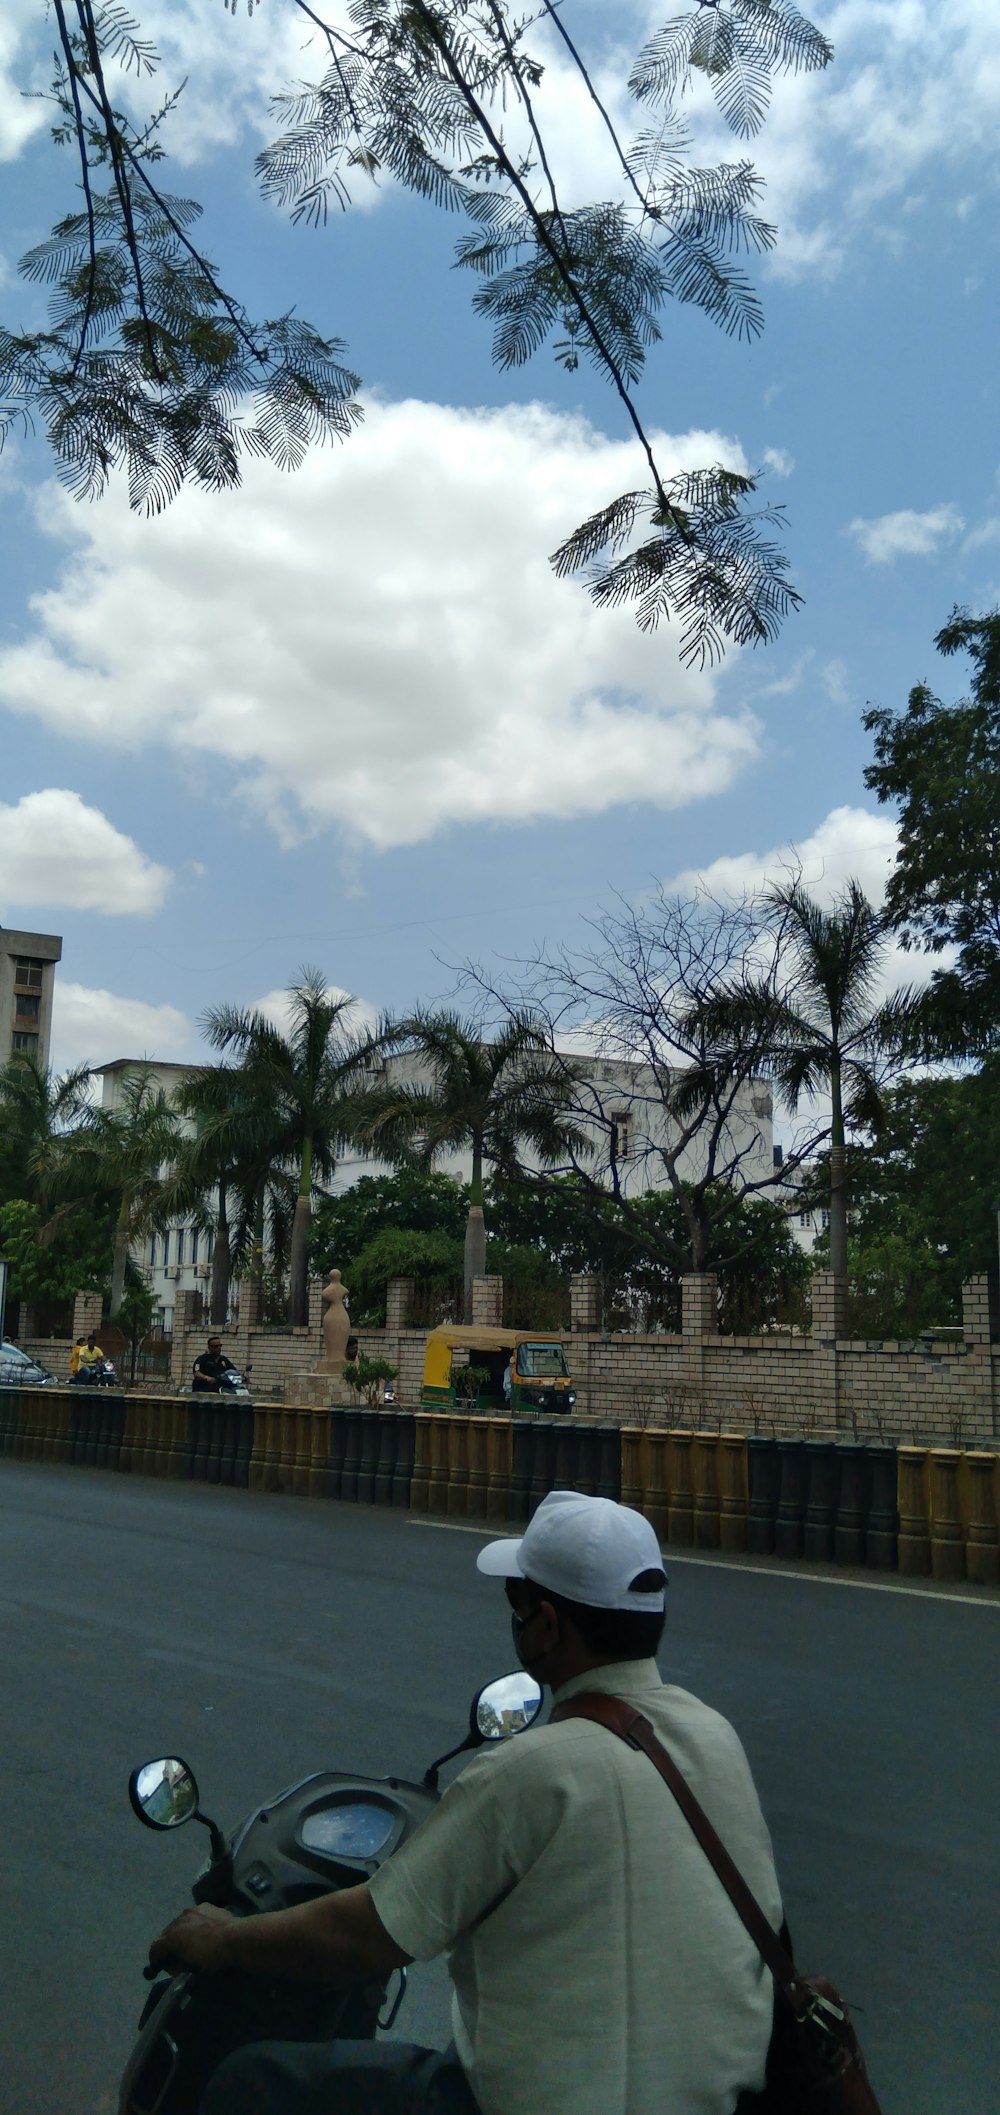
(824, 1029)
(482, 1095)
(40, 1117)
(127, 1148)
(300, 1087)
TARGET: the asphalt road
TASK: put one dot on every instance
(264, 1637)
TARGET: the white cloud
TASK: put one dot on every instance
(92, 1027)
(54, 849)
(906, 534)
(850, 842)
(979, 539)
(358, 1018)
(23, 67)
(778, 461)
(833, 677)
(380, 643)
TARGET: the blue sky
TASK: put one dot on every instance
(348, 717)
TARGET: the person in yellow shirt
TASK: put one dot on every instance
(87, 1352)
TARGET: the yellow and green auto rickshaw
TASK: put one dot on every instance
(539, 1376)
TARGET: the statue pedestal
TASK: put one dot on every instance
(320, 1391)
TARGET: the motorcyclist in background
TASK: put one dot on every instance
(598, 1968)
(85, 1353)
(208, 1369)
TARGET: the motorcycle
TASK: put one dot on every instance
(328, 1831)
(233, 1387)
(99, 1374)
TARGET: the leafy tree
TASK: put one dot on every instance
(414, 1200)
(228, 1165)
(490, 1096)
(125, 1149)
(640, 1255)
(432, 1259)
(923, 1215)
(818, 1012)
(150, 363)
(941, 764)
(673, 1097)
(41, 1114)
(301, 1084)
(50, 1262)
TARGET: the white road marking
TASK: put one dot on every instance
(757, 1571)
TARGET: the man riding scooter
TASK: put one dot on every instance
(597, 1966)
(206, 1377)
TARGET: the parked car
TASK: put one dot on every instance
(19, 1370)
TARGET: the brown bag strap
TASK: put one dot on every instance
(631, 1726)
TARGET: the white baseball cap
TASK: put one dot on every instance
(587, 1549)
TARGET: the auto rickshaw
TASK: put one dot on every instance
(540, 1377)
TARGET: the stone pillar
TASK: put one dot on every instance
(251, 1304)
(25, 1321)
(584, 1304)
(487, 1303)
(829, 1305)
(189, 1307)
(699, 1323)
(315, 1308)
(700, 1304)
(981, 1380)
(976, 1317)
(829, 1322)
(86, 1314)
(399, 1293)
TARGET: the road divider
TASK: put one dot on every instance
(926, 1511)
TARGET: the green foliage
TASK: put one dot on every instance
(150, 364)
(924, 1198)
(302, 1088)
(416, 1200)
(469, 1382)
(433, 1259)
(940, 764)
(368, 1378)
(51, 1262)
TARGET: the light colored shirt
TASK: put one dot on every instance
(598, 1967)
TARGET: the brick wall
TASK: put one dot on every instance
(940, 1393)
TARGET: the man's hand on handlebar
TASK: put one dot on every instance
(195, 1939)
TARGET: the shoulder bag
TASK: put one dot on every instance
(814, 2063)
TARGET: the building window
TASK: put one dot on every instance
(180, 1246)
(27, 1005)
(194, 1247)
(21, 1040)
(152, 1253)
(28, 972)
(166, 1250)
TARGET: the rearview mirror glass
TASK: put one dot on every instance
(164, 1793)
(507, 1706)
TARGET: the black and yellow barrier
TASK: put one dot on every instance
(933, 1511)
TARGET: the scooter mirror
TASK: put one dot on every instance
(507, 1706)
(164, 1793)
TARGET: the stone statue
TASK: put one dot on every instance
(336, 1324)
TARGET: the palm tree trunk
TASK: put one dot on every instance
(838, 1181)
(221, 1262)
(474, 1264)
(119, 1259)
(298, 1250)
